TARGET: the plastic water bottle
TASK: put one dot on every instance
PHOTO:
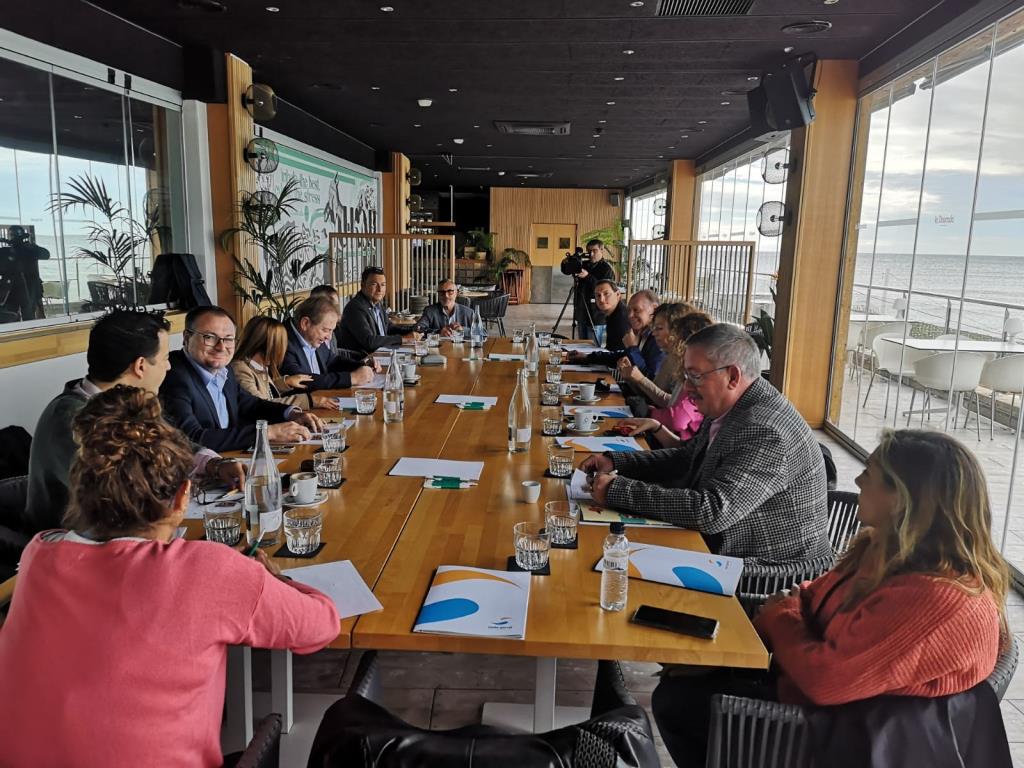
(532, 355)
(262, 492)
(477, 332)
(394, 392)
(520, 418)
(615, 573)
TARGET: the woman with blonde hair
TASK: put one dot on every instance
(115, 648)
(916, 607)
(258, 357)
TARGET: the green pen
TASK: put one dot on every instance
(254, 547)
(474, 406)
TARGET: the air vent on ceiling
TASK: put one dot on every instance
(704, 7)
(534, 175)
(473, 168)
(528, 128)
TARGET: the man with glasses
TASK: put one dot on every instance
(202, 398)
(589, 318)
(446, 314)
(364, 324)
(752, 479)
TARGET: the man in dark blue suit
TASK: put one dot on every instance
(309, 351)
(202, 398)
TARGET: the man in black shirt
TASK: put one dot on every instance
(596, 270)
(608, 301)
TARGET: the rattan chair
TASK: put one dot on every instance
(493, 310)
(264, 749)
(759, 582)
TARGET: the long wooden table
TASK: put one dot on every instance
(396, 534)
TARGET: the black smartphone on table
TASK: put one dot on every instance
(675, 621)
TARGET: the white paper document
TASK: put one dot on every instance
(506, 357)
(584, 348)
(346, 403)
(411, 467)
(702, 571)
(341, 582)
(195, 509)
(586, 368)
(578, 487)
(476, 601)
(611, 411)
(600, 444)
(462, 399)
(377, 383)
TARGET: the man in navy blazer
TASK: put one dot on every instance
(202, 398)
(309, 352)
(364, 325)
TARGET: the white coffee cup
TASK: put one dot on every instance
(303, 487)
(530, 491)
(409, 371)
(585, 420)
(586, 391)
(564, 388)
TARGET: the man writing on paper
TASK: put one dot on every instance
(752, 479)
(446, 314)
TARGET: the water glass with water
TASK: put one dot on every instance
(549, 394)
(551, 421)
(560, 460)
(543, 340)
(328, 468)
(334, 437)
(433, 340)
(458, 335)
(366, 401)
(223, 522)
(561, 519)
(420, 347)
(555, 357)
(533, 545)
(518, 335)
(553, 373)
(302, 528)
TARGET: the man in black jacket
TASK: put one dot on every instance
(364, 323)
(609, 303)
(309, 352)
(202, 398)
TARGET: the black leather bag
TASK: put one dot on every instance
(177, 282)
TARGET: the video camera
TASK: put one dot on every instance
(575, 262)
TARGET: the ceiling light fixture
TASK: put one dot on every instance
(501, 173)
(831, 2)
(592, 146)
(476, 126)
(726, 103)
(610, 103)
(596, 136)
(629, 51)
(424, 102)
(788, 49)
(812, 27)
(637, 4)
(272, 9)
(453, 90)
(374, 87)
(490, 145)
(458, 141)
(619, 79)
(387, 8)
(602, 121)
(753, 78)
(684, 136)
(702, 122)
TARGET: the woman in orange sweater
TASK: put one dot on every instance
(915, 608)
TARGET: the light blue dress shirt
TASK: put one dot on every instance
(214, 381)
(310, 351)
(378, 312)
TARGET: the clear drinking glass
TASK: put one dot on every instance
(302, 527)
(366, 401)
(553, 373)
(334, 438)
(433, 340)
(420, 347)
(458, 336)
(543, 340)
(549, 394)
(555, 357)
(561, 519)
(328, 468)
(223, 522)
(533, 545)
(518, 335)
(551, 421)
(560, 460)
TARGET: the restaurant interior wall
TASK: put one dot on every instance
(513, 212)
(932, 250)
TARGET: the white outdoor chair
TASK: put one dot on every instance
(958, 373)
(1006, 375)
(887, 358)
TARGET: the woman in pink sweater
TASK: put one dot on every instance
(114, 651)
(915, 608)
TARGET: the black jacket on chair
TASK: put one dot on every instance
(188, 405)
(358, 328)
(335, 368)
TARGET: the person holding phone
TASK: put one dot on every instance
(116, 621)
(916, 607)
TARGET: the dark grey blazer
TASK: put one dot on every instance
(434, 318)
(760, 492)
(358, 329)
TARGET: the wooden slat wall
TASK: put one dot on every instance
(812, 246)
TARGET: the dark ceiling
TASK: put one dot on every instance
(485, 60)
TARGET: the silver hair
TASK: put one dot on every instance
(647, 293)
(726, 344)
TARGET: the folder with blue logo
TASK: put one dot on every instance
(702, 571)
(475, 601)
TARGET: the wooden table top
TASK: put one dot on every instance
(474, 527)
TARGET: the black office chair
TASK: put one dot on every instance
(493, 310)
(264, 750)
(357, 732)
(13, 494)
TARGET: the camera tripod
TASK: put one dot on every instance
(571, 296)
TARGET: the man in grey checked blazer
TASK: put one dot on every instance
(752, 480)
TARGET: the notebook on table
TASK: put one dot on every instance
(463, 600)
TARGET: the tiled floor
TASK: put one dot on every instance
(441, 691)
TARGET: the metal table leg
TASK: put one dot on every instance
(237, 731)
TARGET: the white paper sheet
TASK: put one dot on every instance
(578, 489)
(341, 582)
(586, 368)
(611, 411)
(412, 467)
(506, 357)
(487, 400)
(583, 348)
(346, 403)
(600, 444)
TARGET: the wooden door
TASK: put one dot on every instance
(548, 245)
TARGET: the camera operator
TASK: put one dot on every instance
(591, 321)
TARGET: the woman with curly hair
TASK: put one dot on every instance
(115, 647)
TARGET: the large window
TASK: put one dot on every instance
(730, 197)
(933, 254)
(90, 192)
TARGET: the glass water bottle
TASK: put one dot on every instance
(262, 492)
(520, 417)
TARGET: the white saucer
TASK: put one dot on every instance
(413, 380)
(594, 399)
(321, 497)
(572, 428)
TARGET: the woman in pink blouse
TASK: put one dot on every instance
(115, 648)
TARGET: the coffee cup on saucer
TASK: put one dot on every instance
(303, 487)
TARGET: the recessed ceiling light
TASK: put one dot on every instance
(501, 173)
(673, 146)
(426, 165)
(726, 103)
(592, 146)
(589, 155)
(476, 126)
(807, 27)
(387, 8)
(440, 145)
(596, 136)
(77, 117)
(529, 166)
(636, 169)
(619, 79)
(374, 87)
(272, 9)
(417, 125)
(602, 121)
(424, 102)
(610, 103)
(702, 122)
(831, 2)
(661, 157)
(490, 145)
(684, 136)
(629, 51)
(788, 49)
(453, 90)
(753, 78)
(637, 4)
(458, 141)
